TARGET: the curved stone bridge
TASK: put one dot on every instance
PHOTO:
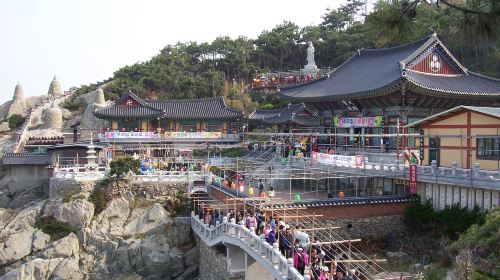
(246, 252)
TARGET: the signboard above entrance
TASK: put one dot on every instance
(357, 122)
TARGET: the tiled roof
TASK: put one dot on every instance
(117, 111)
(470, 83)
(492, 111)
(26, 159)
(374, 72)
(367, 72)
(284, 115)
(209, 108)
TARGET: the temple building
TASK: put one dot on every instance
(133, 119)
(462, 137)
(294, 116)
(378, 90)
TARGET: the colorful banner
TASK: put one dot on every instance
(357, 122)
(338, 160)
(413, 178)
(128, 134)
(193, 135)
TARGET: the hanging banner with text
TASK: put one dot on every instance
(413, 178)
(338, 160)
(193, 135)
(128, 134)
(357, 122)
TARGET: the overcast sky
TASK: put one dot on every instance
(84, 41)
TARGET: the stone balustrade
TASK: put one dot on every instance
(474, 177)
(247, 240)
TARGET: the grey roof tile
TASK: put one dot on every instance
(209, 108)
(26, 159)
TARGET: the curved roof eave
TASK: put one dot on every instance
(370, 93)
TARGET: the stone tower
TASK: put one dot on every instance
(18, 92)
(55, 88)
(18, 105)
(52, 117)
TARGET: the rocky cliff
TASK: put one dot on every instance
(73, 236)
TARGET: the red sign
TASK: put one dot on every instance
(413, 178)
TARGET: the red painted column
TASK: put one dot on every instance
(469, 146)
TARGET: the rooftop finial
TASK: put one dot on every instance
(55, 77)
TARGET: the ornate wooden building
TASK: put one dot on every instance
(377, 88)
(170, 120)
(295, 116)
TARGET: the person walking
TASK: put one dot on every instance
(315, 267)
(300, 260)
(286, 244)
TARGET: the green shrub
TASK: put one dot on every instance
(485, 237)
(420, 216)
(124, 165)
(233, 152)
(73, 103)
(451, 221)
(268, 106)
(436, 273)
(101, 196)
(54, 228)
(15, 121)
(456, 220)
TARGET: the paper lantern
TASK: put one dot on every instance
(225, 183)
(250, 191)
(296, 197)
(341, 195)
(242, 188)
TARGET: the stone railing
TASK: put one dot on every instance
(474, 177)
(80, 174)
(256, 246)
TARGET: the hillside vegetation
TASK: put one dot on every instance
(223, 67)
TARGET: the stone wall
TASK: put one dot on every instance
(442, 195)
(151, 190)
(213, 263)
(369, 227)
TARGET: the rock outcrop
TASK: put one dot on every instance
(95, 101)
(132, 238)
(4, 127)
(52, 118)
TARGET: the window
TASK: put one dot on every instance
(189, 125)
(488, 147)
(215, 125)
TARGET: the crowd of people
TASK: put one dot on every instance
(293, 242)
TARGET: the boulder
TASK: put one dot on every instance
(398, 257)
(16, 246)
(52, 118)
(67, 269)
(33, 270)
(40, 241)
(16, 237)
(66, 247)
(77, 213)
(112, 219)
(143, 221)
(4, 127)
